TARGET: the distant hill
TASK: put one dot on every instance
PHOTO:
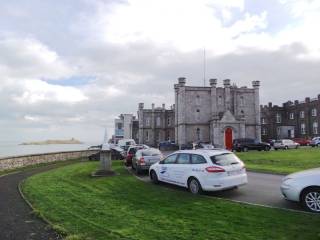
(47, 142)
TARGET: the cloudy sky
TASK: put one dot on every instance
(68, 68)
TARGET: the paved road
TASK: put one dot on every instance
(262, 189)
(16, 220)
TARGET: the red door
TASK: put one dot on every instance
(228, 138)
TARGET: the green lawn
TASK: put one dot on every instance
(282, 161)
(123, 207)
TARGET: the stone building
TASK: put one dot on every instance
(126, 126)
(298, 119)
(155, 124)
(216, 114)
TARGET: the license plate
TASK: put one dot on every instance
(237, 172)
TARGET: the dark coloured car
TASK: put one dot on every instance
(168, 145)
(144, 158)
(246, 144)
(302, 141)
(187, 146)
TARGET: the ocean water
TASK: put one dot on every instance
(14, 149)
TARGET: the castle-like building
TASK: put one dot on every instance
(208, 114)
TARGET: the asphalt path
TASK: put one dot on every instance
(16, 219)
(262, 189)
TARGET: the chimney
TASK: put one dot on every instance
(307, 99)
(182, 81)
(226, 83)
(296, 102)
(141, 106)
(163, 106)
(213, 82)
(270, 104)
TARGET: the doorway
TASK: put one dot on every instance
(228, 138)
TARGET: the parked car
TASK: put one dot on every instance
(204, 145)
(126, 143)
(271, 142)
(186, 146)
(200, 170)
(285, 144)
(315, 142)
(303, 187)
(117, 153)
(245, 144)
(302, 141)
(144, 158)
(131, 152)
(168, 145)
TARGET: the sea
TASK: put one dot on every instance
(8, 149)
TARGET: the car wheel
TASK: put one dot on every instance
(286, 147)
(311, 199)
(297, 147)
(318, 145)
(194, 186)
(154, 177)
(276, 149)
(267, 148)
(245, 149)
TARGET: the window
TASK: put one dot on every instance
(147, 136)
(263, 120)
(241, 101)
(278, 118)
(197, 159)
(198, 100)
(302, 114)
(278, 131)
(198, 115)
(291, 116)
(183, 158)
(220, 100)
(119, 125)
(303, 128)
(198, 134)
(147, 121)
(315, 127)
(168, 121)
(171, 159)
(158, 122)
(314, 112)
(264, 131)
(225, 159)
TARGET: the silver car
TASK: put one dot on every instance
(303, 187)
(285, 144)
(144, 158)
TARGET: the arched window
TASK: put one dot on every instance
(303, 128)
(241, 101)
(198, 115)
(147, 121)
(147, 136)
(220, 100)
(278, 118)
(198, 100)
(314, 112)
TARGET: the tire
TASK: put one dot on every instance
(267, 148)
(154, 177)
(286, 148)
(276, 149)
(310, 199)
(194, 186)
(245, 149)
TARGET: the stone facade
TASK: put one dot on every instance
(206, 113)
(298, 119)
(27, 160)
(155, 124)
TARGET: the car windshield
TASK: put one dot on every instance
(225, 159)
(278, 141)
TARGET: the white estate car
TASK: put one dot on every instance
(303, 187)
(208, 170)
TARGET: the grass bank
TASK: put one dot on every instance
(282, 161)
(122, 207)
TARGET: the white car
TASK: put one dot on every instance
(303, 187)
(197, 170)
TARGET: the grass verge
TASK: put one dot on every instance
(281, 161)
(122, 207)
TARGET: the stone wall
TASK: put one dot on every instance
(27, 160)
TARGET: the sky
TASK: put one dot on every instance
(68, 68)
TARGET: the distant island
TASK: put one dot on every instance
(47, 142)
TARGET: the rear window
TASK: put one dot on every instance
(151, 152)
(132, 150)
(278, 141)
(225, 159)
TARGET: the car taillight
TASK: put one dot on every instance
(141, 161)
(213, 169)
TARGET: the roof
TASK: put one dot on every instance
(207, 152)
